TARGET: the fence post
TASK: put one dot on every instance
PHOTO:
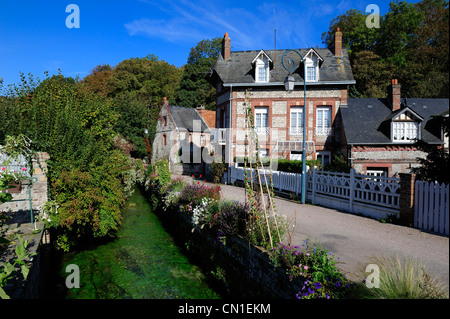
(313, 195)
(407, 183)
(352, 189)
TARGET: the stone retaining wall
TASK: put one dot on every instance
(248, 272)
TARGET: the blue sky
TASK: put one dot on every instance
(34, 37)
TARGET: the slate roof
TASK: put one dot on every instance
(367, 120)
(184, 118)
(239, 69)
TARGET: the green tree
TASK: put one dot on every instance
(411, 43)
(435, 166)
(85, 172)
(148, 78)
(137, 87)
(356, 37)
(371, 74)
(398, 28)
(194, 89)
(98, 80)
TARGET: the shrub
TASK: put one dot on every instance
(217, 169)
(313, 265)
(229, 217)
(194, 193)
(401, 279)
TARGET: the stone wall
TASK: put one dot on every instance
(396, 159)
(20, 204)
(21, 223)
(248, 272)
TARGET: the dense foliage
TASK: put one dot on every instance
(85, 171)
(411, 45)
(201, 203)
(194, 89)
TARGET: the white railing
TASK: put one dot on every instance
(282, 181)
(262, 130)
(323, 131)
(356, 188)
(375, 197)
(431, 207)
(296, 131)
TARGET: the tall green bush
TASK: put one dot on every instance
(85, 171)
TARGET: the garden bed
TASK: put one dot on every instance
(239, 244)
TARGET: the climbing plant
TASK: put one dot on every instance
(263, 227)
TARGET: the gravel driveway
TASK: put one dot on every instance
(354, 238)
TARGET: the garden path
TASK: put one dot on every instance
(355, 238)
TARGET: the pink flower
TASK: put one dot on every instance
(306, 267)
(23, 168)
(3, 168)
(307, 254)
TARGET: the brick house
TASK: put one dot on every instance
(183, 138)
(380, 135)
(277, 112)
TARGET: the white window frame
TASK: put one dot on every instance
(202, 140)
(262, 64)
(260, 127)
(295, 155)
(323, 124)
(312, 63)
(405, 131)
(296, 129)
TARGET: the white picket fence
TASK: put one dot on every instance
(282, 181)
(372, 196)
(431, 207)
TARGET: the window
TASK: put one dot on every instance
(311, 73)
(323, 124)
(377, 171)
(262, 70)
(405, 131)
(324, 157)
(296, 121)
(262, 120)
(295, 156)
(311, 69)
(202, 140)
(164, 139)
(262, 74)
(164, 120)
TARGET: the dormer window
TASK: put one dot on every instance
(262, 67)
(406, 126)
(262, 71)
(405, 132)
(312, 64)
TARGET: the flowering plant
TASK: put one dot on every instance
(313, 264)
(200, 212)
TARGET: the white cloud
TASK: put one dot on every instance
(299, 23)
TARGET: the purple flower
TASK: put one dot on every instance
(310, 291)
(317, 285)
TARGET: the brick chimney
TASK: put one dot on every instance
(164, 102)
(338, 43)
(226, 47)
(395, 97)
